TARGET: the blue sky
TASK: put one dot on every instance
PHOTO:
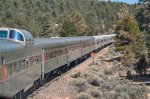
(127, 1)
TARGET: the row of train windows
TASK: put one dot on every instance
(78, 47)
(55, 53)
(86, 45)
(93, 43)
(103, 40)
(20, 65)
(52, 54)
(74, 48)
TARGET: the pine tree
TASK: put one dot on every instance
(67, 28)
(130, 39)
(143, 18)
(79, 23)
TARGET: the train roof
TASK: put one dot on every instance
(49, 42)
(62, 41)
(104, 36)
(72, 40)
(8, 45)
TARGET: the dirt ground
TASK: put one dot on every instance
(60, 87)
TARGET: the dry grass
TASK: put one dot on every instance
(95, 81)
(108, 71)
(96, 94)
(83, 96)
(80, 85)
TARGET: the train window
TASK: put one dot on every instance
(93, 43)
(74, 48)
(60, 52)
(52, 54)
(11, 69)
(16, 35)
(3, 34)
(98, 42)
(14, 67)
(8, 70)
(26, 63)
(66, 50)
(18, 66)
(34, 59)
(86, 45)
(31, 61)
(22, 64)
(38, 59)
(56, 53)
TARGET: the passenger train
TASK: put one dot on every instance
(25, 61)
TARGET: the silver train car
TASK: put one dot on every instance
(25, 61)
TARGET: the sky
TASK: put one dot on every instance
(126, 1)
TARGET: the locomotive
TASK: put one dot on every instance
(25, 60)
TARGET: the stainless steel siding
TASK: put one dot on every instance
(50, 65)
(74, 55)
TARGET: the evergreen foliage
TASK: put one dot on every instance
(68, 28)
(130, 39)
(141, 65)
(44, 17)
(143, 18)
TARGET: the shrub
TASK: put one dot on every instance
(83, 96)
(76, 75)
(121, 88)
(105, 77)
(96, 94)
(136, 91)
(80, 85)
(133, 94)
(94, 68)
(124, 95)
(106, 85)
(144, 89)
(87, 75)
(95, 81)
(111, 95)
(124, 82)
(100, 73)
(106, 94)
(108, 72)
(129, 75)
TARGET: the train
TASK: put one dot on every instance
(26, 61)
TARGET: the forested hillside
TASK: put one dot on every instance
(52, 17)
(133, 36)
(143, 18)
